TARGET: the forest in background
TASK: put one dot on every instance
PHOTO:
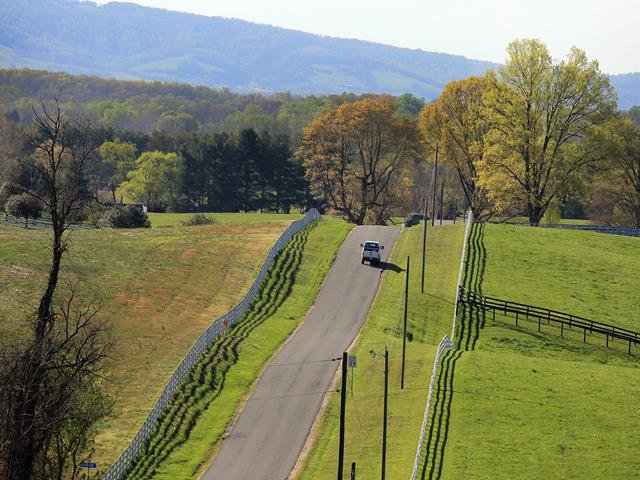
(170, 107)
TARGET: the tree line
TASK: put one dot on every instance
(180, 172)
(145, 106)
(540, 138)
(206, 172)
(536, 138)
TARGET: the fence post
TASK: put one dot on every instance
(538, 323)
(562, 330)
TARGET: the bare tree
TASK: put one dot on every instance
(44, 381)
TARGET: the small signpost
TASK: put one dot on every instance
(88, 466)
(352, 363)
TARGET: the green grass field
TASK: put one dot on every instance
(590, 274)
(192, 429)
(159, 220)
(160, 288)
(430, 317)
(517, 403)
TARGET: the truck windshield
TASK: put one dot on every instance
(371, 246)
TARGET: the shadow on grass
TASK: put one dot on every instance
(470, 322)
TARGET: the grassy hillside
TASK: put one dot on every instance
(191, 431)
(518, 403)
(589, 274)
(430, 318)
(159, 287)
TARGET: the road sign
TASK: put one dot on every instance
(87, 465)
(352, 361)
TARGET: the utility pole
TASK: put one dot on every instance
(424, 238)
(343, 403)
(404, 331)
(434, 180)
(384, 425)
(441, 199)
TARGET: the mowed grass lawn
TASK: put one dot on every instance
(531, 405)
(430, 317)
(593, 275)
(160, 288)
(159, 220)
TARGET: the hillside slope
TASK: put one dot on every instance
(518, 402)
(128, 41)
(159, 289)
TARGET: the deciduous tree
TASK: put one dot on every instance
(456, 123)
(616, 192)
(539, 113)
(353, 156)
(43, 377)
(118, 159)
(155, 181)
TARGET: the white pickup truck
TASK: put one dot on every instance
(371, 252)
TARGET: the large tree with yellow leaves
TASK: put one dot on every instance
(539, 113)
(355, 157)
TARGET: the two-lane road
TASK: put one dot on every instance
(271, 430)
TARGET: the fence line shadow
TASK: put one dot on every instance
(470, 322)
(207, 378)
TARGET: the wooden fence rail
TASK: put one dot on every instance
(525, 311)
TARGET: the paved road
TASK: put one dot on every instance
(270, 432)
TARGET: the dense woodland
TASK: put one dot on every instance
(169, 107)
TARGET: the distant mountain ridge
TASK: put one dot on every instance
(128, 41)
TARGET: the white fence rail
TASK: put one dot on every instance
(445, 345)
(217, 327)
(39, 223)
(463, 261)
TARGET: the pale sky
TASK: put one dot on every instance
(606, 29)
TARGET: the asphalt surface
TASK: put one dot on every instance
(272, 428)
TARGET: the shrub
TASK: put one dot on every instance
(198, 219)
(23, 205)
(128, 216)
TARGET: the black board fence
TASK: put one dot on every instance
(523, 311)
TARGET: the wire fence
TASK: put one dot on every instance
(217, 327)
(39, 223)
(445, 345)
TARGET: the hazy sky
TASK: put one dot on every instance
(605, 29)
